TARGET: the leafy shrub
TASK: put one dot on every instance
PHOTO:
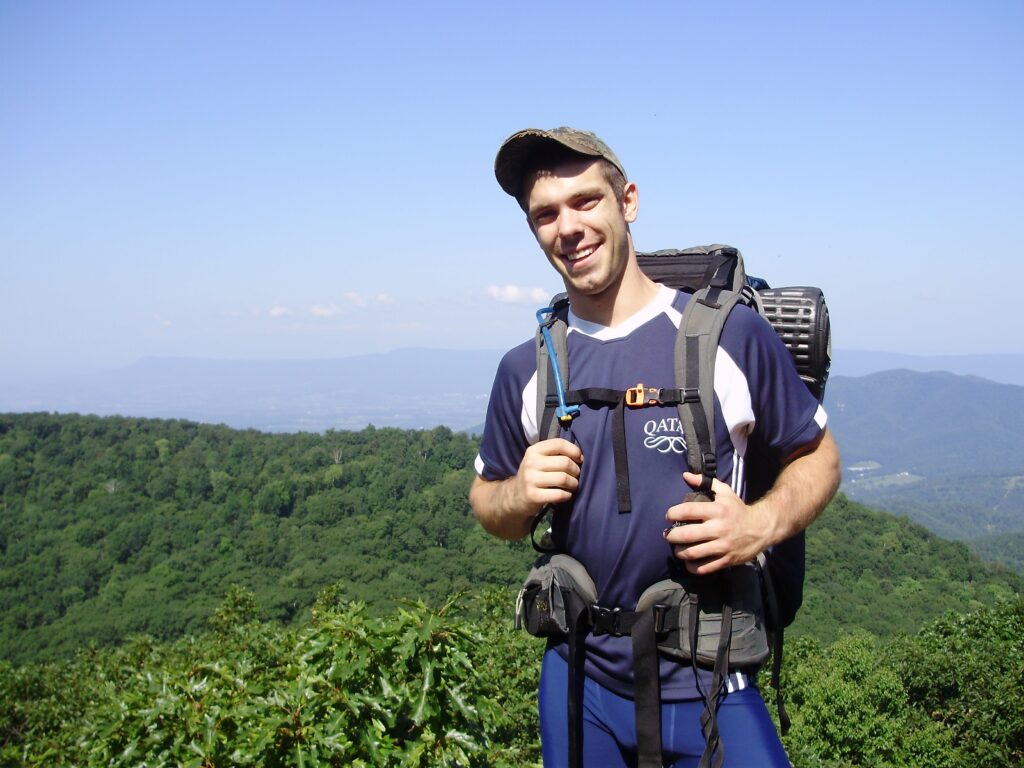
(419, 688)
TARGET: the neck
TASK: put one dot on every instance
(632, 292)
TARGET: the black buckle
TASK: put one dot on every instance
(710, 465)
(605, 621)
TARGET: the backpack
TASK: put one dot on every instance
(715, 274)
(733, 604)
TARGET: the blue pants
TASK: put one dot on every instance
(609, 726)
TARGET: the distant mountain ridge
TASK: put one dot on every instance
(945, 450)
(928, 423)
(407, 388)
(1002, 369)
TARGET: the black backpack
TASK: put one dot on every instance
(716, 278)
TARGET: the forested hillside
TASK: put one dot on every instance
(116, 526)
(928, 423)
(868, 570)
(1007, 549)
(945, 450)
(962, 506)
(122, 540)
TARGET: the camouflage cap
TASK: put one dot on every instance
(517, 149)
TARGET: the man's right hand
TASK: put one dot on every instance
(549, 473)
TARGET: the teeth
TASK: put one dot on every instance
(580, 254)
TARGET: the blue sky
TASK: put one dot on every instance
(313, 179)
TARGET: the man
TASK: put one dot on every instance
(622, 326)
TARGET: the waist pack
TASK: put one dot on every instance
(559, 598)
(556, 596)
(715, 622)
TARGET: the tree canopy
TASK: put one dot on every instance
(116, 526)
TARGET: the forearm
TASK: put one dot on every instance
(496, 507)
(804, 486)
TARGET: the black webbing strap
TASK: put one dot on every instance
(643, 628)
(776, 680)
(702, 457)
(777, 638)
(577, 631)
(622, 494)
(714, 750)
(647, 691)
(613, 621)
(722, 271)
(602, 397)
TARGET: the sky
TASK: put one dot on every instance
(272, 180)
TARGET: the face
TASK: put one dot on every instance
(581, 227)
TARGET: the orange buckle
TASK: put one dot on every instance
(640, 396)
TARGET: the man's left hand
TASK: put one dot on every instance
(718, 533)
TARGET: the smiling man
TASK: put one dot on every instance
(622, 327)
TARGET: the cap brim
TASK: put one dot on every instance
(516, 149)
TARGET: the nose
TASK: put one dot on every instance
(569, 223)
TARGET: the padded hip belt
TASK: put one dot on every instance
(559, 597)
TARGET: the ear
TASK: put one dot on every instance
(630, 202)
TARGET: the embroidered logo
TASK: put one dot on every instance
(665, 436)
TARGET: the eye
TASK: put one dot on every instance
(543, 216)
(587, 202)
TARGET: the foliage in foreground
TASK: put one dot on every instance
(434, 688)
(415, 689)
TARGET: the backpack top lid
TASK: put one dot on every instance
(690, 269)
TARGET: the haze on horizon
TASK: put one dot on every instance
(271, 181)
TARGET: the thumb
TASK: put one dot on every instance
(695, 480)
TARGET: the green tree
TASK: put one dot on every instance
(967, 673)
(850, 708)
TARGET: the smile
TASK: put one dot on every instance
(580, 254)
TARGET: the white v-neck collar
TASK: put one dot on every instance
(661, 302)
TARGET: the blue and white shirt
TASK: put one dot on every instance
(757, 390)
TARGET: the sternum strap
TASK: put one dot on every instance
(615, 399)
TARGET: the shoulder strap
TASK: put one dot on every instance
(552, 379)
(696, 348)
(553, 363)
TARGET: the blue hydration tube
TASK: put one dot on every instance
(564, 413)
